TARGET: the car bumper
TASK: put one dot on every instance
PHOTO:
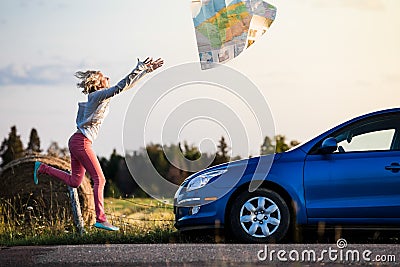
(206, 217)
(195, 212)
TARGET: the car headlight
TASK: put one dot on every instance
(203, 179)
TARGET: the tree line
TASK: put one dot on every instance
(120, 182)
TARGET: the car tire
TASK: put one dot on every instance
(261, 216)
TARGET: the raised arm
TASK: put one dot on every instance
(148, 65)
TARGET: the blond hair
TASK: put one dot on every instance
(90, 80)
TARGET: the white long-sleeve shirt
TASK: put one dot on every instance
(91, 114)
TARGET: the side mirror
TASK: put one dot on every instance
(329, 145)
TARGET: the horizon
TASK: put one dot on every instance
(320, 64)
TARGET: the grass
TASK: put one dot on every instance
(140, 221)
(136, 210)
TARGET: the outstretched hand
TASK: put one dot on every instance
(153, 65)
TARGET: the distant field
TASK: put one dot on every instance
(142, 212)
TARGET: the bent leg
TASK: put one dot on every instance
(73, 180)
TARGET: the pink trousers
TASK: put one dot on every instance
(82, 158)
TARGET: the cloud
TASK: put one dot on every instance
(27, 3)
(15, 74)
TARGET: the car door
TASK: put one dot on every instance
(360, 181)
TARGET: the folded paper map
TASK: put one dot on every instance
(225, 28)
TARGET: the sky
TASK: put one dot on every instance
(321, 63)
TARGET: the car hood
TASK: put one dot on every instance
(238, 168)
(255, 166)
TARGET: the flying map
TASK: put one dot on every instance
(225, 28)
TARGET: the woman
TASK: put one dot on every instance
(90, 116)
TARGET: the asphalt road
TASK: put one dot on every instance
(203, 255)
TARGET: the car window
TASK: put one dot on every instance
(377, 133)
(373, 134)
(371, 141)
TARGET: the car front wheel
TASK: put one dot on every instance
(261, 216)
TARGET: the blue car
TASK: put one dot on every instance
(349, 175)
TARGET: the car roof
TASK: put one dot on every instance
(306, 146)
